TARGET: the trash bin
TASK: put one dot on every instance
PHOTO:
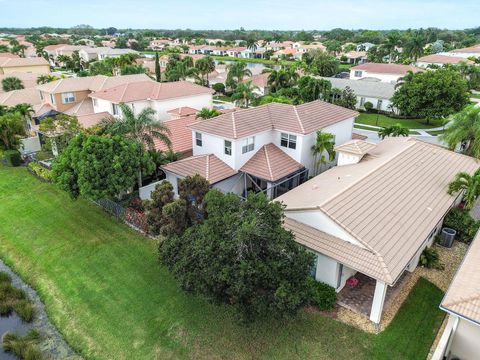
(447, 236)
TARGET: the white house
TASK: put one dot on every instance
(472, 51)
(162, 97)
(375, 212)
(381, 72)
(102, 53)
(460, 339)
(440, 60)
(266, 148)
(365, 46)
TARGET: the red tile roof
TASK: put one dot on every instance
(180, 134)
(271, 164)
(300, 119)
(208, 166)
(183, 111)
(356, 136)
(90, 120)
(386, 68)
(8, 55)
(444, 59)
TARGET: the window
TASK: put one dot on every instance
(358, 73)
(362, 101)
(115, 109)
(227, 146)
(248, 144)
(52, 99)
(95, 102)
(41, 95)
(68, 98)
(288, 141)
(379, 104)
(198, 139)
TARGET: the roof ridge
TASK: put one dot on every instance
(207, 169)
(124, 91)
(298, 118)
(269, 167)
(462, 300)
(234, 125)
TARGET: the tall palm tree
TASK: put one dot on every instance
(244, 93)
(406, 78)
(206, 113)
(237, 72)
(324, 143)
(11, 129)
(46, 78)
(392, 41)
(394, 131)
(252, 44)
(469, 184)
(205, 66)
(414, 46)
(464, 128)
(143, 128)
(26, 111)
(283, 78)
(12, 83)
(181, 71)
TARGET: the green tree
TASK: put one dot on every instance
(283, 78)
(324, 143)
(161, 196)
(59, 130)
(394, 131)
(158, 74)
(320, 63)
(237, 72)
(244, 93)
(464, 127)
(469, 185)
(311, 89)
(26, 111)
(11, 130)
(133, 69)
(12, 83)
(206, 113)
(46, 78)
(414, 46)
(193, 189)
(252, 44)
(241, 255)
(391, 43)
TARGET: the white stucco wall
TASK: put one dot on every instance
(383, 107)
(466, 341)
(390, 78)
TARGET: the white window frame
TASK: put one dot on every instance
(290, 139)
(68, 97)
(115, 109)
(52, 99)
(198, 139)
(95, 101)
(358, 73)
(362, 101)
(379, 104)
(248, 144)
(227, 149)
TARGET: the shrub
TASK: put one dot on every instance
(12, 158)
(43, 155)
(23, 347)
(25, 310)
(430, 259)
(14, 299)
(460, 220)
(40, 171)
(321, 295)
(5, 278)
(368, 106)
(219, 88)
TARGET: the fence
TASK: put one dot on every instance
(130, 216)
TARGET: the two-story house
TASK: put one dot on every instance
(266, 148)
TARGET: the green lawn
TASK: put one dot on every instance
(222, 98)
(436, 132)
(356, 126)
(476, 96)
(104, 289)
(384, 121)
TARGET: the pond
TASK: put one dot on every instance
(52, 343)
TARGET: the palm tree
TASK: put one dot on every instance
(394, 131)
(143, 128)
(207, 113)
(11, 129)
(391, 43)
(464, 129)
(26, 111)
(469, 184)
(46, 78)
(414, 46)
(237, 72)
(64, 60)
(205, 66)
(252, 44)
(181, 71)
(244, 93)
(12, 83)
(283, 78)
(324, 142)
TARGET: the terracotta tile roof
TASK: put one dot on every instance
(443, 59)
(386, 68)
(238, 49)
(15, 97)
(260, 80)
(29, 80)
(356, 147)
(153, 90)
(351, 255)
(7, 62)
(89, 120)
(463, 295)
(301, 119)
(8, 55)
(390, 201)
(183, 111)
(356, 136)
(180, 134)
(208, 166)
(84, 107)
(271, 164)
(471, 49)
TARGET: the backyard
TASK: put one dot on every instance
(385, 121)
(106, 292)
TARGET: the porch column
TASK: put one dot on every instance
(270, 188)
(378, 300)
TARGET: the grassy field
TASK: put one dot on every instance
(384, 121)
(104, 289)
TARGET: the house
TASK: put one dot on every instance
(54, 51)
(36, 65)
(261, 82)
(440, 60)
(162, 97)
(460, 338)
(377, 93)
(102, 53)
(28, 79)
(355, 221)
(266, 148)
(365, 46)
(381, 72)
(472, 51)
(236, 51)
(355, 57)
(159, 44)
(180, 135)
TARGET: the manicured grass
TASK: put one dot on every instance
(384, 121)
(436, 132)
(356, 126)
(105, 290)
(222, 98)
(475, 96)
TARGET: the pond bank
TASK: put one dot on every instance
(52, 343)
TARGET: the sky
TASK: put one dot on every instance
(250, 14)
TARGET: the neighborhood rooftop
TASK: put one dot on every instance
(386, 68)
(389, 202)
(6, 62)
(374, 89)
(356, 147)
(443, 59)
(301, 119)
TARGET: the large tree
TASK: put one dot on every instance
(241, 255)
(12, 83)
(11, 130)
(469, 184)
(324, 145)
(59, 130)
(311, 89)
(158, 74)
(204, 67)
(237, 72)
(464, 128)
(320, 63)
(283, 78)
(244, 93)
(432, 94)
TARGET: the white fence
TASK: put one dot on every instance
(146, 191)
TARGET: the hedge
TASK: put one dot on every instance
(12, 158)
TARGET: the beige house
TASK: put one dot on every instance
(461, 337)
(373, 214)
(36, 65)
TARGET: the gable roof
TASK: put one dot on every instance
(301, 119)
(6, 62)
(28, 79)
(379, 90)
(208, 166)
(180, 134)
(381, 68)
(271, 164)
(390, 201)
(443, 59)
(183, 111)
(356, 147)
(15, 97)
(472, 49)
(152, 90)
(463, 295)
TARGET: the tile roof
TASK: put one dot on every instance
(356, 136)
(15, 97)
(180, 134)
(6, 62)
(183, 111)
(143, 90)
(379, 90)
(390, 201)
(356, 147)
(381, 68)
(260, 80)
(84, 107)
(463, 295)
(271, 164)
(29, 80)
(443, 59)
(89, 120)
(8, 55)
(208, 166)
(301, 119)
(471, 49)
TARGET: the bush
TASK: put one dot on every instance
(12, 158)
(368, 106)
(430, 259)
(321, 295)
(219, 88)
(44, 155)
(25, 310)
(14, 299)
(38, 170)
(460, 220)
(23, 347)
